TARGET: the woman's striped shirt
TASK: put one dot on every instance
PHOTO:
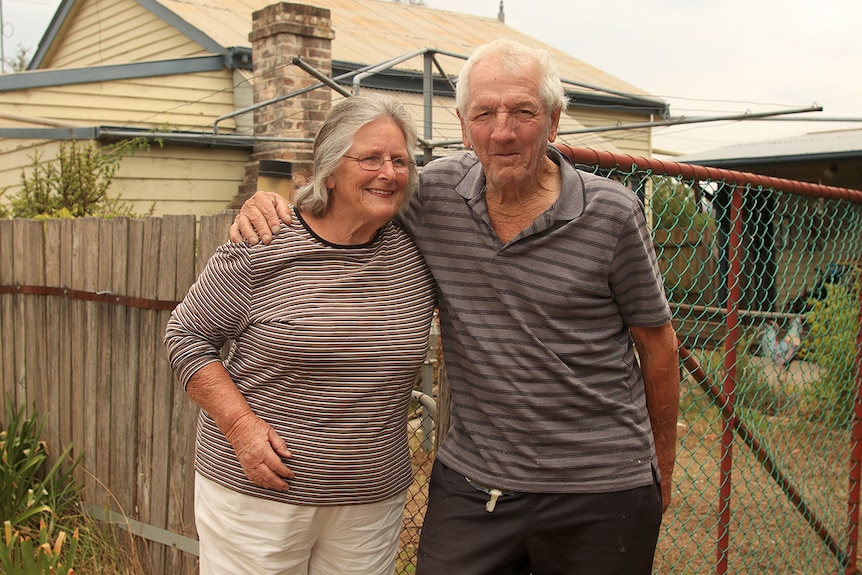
(325, 345)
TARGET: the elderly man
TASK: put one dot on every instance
(560, 454)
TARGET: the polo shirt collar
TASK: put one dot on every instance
(568, 206)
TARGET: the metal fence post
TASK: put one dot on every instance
(734, 292)
(428, 386)
(855, 454)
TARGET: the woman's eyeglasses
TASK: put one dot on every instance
(375, 163)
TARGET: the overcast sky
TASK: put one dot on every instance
(710, 57)
(24, 22)
(706, 58)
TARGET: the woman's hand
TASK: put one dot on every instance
(260, 218)
(259, 450)
(256, 444)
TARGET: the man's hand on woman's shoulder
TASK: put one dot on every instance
(260, 218)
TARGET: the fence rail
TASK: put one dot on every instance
(763, 276)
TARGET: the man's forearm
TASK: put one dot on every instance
(659, 359)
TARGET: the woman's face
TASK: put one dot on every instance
(371, 196)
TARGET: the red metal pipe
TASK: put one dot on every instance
(602, 159)
(734, 295)
(855, 454)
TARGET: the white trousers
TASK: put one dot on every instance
(243, 534)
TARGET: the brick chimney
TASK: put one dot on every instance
(279, 33)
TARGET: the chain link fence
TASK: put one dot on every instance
(763, 279)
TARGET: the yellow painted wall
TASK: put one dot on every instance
(181, 180)
(101, 32)
(633, 142)
(171, 180)
(184, 102)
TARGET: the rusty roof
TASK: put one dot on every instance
(375, 31)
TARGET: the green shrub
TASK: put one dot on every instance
(44, 555)
(75, 184)
(675, 207)
(680, 228)
(27, 490)
(831, 344)
(43, 529)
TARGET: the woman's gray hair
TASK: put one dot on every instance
(336, 137)
(513, 56)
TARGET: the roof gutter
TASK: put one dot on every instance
(631, 100)
(72, 76)
(108, 134)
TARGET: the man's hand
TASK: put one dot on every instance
(259, 449)
(260, 218)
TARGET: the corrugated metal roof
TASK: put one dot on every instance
(836, 144)
(375, 31)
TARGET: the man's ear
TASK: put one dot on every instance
(555, 125)
(465, 138)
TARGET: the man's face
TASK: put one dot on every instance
(506, 123)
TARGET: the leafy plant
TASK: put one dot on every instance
(22, 555)
(27, 490)
(32, 497)
(43, 530)
(680, 226)
(831, 344)
(75, 184)
(675, 206)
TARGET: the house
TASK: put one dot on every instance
(832, 158)
(788, 230)
(218, 87)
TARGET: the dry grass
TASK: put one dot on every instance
(767, 532)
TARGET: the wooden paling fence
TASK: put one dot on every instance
(83, 308)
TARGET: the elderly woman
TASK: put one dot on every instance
(302, 460)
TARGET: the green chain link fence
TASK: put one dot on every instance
(763, 278)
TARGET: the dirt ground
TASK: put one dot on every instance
(785, 488)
